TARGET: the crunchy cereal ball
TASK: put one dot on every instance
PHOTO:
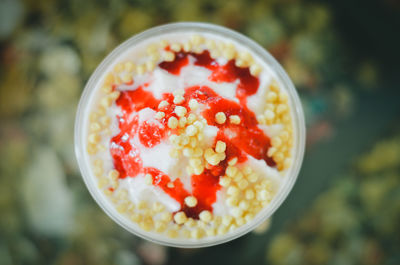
(220, 118)
(191, 201)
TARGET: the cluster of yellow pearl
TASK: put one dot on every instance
(228, 51)
(191, 228)
(150, 217)
(219, 49)
(245, 200)
(155, 52)
(246, 193)
(99, 121)
(99, 126)
(189, 133)
(277, 111)
(155, 217)
(123, 72)
(105, 181)
(194, 44)
(215, 157)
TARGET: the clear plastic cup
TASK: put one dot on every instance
(82, 122)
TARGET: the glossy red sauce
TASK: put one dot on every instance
(176, 65)
(135, 100)
(126, 157)
(241, 140)
(204, 188)
(246, 136)
(229, 72)
(161, 180)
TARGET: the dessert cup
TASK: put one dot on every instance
(88, 98)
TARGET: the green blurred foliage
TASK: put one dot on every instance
(48, 50)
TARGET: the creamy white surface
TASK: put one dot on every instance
(140, 191)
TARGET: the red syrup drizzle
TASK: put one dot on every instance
(229, 72)
(176, 65)
(244, 138)
(204, 187)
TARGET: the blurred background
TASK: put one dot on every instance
(343, 57)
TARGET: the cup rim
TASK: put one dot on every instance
(264, 214)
